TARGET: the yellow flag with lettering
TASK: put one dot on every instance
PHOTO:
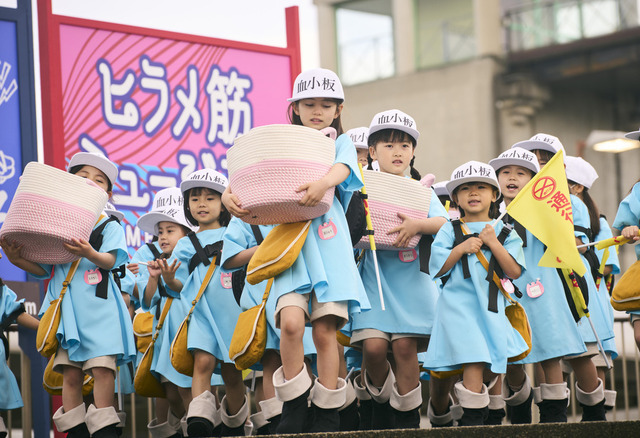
(543, 207)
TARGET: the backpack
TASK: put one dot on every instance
(239, 276)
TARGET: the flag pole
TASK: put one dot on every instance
(372, 242)
(602, 353)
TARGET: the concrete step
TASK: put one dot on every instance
(600, 429)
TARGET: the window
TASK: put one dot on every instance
(365, 41)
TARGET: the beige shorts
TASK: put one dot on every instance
(634, 317)
(62, 360)
(592, 352)
(318, 310)
(358, 337)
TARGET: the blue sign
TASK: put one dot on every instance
(10, 142)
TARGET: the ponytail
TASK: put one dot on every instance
(414, 172)
(594, 212)
(369, 162)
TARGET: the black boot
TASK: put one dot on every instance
(594, 413)
(231, 431)
(407, 419)
(521, 414)
(382, 416)
(106, 432)
(200, 427)
(365, 408)
(494, 417)
(273, 424)
(553, 411)
(474, 417)
(349, 417)
(475, 406)
(79, 431)
(294, 415)
(324, 420)
(592, 403)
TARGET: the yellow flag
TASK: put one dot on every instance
(543, 207)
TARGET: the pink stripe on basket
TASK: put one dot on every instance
(384, 217)
(268, 190)
(42, 224)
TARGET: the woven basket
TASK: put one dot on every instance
(50, 207)
(389, 195)
(269, 163)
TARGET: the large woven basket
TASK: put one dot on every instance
(50, 207)
(269, 163)
(389, 195)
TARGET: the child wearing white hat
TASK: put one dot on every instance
(544, 301)
(581, 175)
(11, 310)
(359, 138)
(404, 326)
(544, 146)
(214, 317)
(470, 327)
(323, 285)
(627, 221)
(166, 222)
(93, 306)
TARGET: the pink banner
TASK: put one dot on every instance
(162, 108)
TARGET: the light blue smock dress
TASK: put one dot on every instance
(554, 332)
(326, 264)
(410, 295)
(10, 397)
(598, 312)
(92, 326)
(238, 237)
(464, 331)
(629, 215)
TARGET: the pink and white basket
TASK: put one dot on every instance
(269, 163)
(50, 207)
(389, 195)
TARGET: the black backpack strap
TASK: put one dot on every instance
(594, 263)
(495, 267)
(522, 231)
(458, 238)
(257, 234)
(157, 255)
(95, 240)
(586, 231)
(203, 255)
(119, 273)
(154, 251)
(424, 249)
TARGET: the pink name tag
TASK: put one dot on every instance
(93, 276)
(327, 230)
(407, 255)
(535, 289)
(225, 280)
(507, 285)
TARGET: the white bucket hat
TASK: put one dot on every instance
(148, 222)
(473, 171)
(317, 82)
(516, 156)
(394, 119)
(440, 188)
(359, 137)
(167, 207)
(110, 210)
(208, 178)
(167, 198)
(542, 141)
(97, 160)
(580, 171)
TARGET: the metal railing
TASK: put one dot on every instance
(366, 59)
(624, 378)
(546, 23)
